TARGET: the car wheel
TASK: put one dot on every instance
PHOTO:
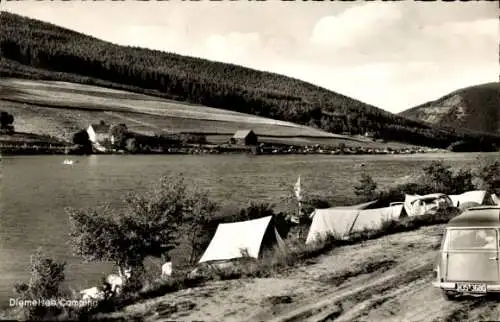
(449, 296)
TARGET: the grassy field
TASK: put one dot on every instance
(28, 138)
(60, 109)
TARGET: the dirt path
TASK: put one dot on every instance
(387, 279)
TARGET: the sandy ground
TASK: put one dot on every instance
(388, 279)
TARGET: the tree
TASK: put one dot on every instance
(439, 176)
(120, 134)
(6, 121)
(462, 181)
(366, 187)
(131, 145)
(81, 138)
(490, 176)
(149, 225)
(441, 179)
(47, 277)
(202, 210)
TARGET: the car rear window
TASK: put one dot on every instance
(472, 239)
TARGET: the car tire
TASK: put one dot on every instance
(449, 296)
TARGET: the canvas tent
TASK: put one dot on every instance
(495, 199)
(416, 205)
(231, 239)
(359, 207)
(373, 218)
(337, 221)
(478, 197)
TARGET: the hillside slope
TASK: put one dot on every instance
(387, 279)
(37, 50)
(475, 108)
(60, 109)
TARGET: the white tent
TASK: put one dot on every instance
(495, 199)
(476, 196)
(373, 218)
(231, 239)
(335, 221)
(359, 207)
(416, 205)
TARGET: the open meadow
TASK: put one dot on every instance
(60, 109)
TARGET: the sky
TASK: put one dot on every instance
(393, 55)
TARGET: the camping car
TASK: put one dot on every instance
(468, 262)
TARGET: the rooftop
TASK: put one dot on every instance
(241, 134)
(482, 216)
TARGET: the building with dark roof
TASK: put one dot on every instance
(244, 137)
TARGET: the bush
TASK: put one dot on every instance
(490, 177)
(47, 276)
(150, 225)
(366, 188)
(314, 202)
(442, 179)
(6, 121)
(120, 134)
(131, 145)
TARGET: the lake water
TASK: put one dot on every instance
(34, 190)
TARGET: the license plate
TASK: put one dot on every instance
(471, 288)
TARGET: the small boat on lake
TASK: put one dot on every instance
(68, 162)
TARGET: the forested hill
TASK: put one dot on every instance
(33, 49)
(476, 108)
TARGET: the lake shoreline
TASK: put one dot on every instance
(217, 150)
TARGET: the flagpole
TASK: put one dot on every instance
(298, 195)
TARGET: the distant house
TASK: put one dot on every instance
(244, 137)
(99, 136)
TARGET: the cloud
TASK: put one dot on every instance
(354, 24)
(477, 39)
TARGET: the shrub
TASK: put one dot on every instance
(366, 188)
(441, 179)
(150, 225)
(490, 177)
(6, 121)
(120, 134)
(81, 138)
(131, 145)
(314, 202)
(47, 276)
(202, 210)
